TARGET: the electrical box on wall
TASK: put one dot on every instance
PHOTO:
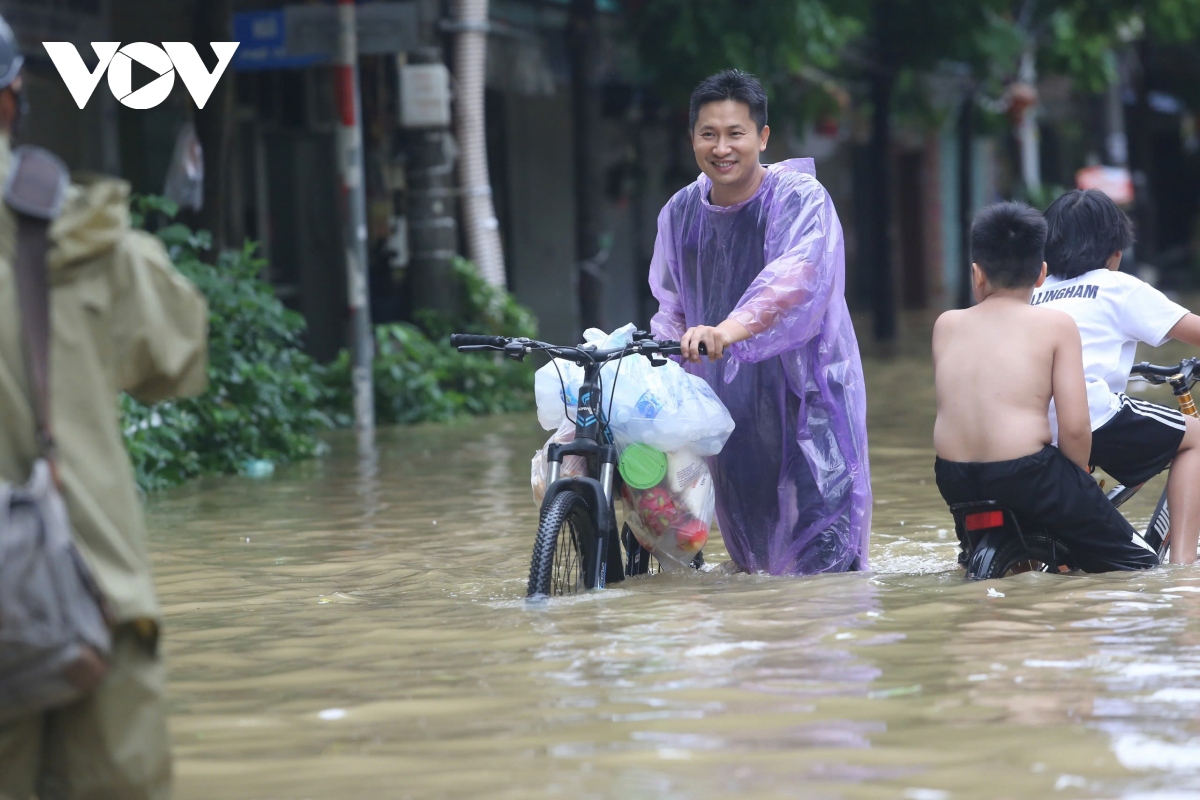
(424, 96)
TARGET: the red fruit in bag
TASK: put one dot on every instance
(691, 535)
(658, 510)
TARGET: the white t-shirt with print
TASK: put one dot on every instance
(1114, 311)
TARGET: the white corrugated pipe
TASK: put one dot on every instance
(479, 214)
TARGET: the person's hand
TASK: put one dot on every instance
(715, 342)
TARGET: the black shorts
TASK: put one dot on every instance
(1047, 490)
(1138, 442)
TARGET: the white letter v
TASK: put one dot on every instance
(196, 77)
(74, 72)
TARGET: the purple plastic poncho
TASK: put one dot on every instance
(793, 483)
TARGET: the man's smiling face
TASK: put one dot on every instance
(727, 141)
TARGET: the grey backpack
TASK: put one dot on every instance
(54, 635)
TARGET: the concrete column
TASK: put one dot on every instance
(431, 212)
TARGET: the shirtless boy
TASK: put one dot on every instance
(997, 366)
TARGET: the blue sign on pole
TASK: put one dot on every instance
(300, 35)
(263, 37)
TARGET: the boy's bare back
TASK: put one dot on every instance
(996, 367)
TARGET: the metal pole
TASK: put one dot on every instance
(110, 130)
(883, 82)
(350, 168)
(1031, 166)
(1116, 142)
(590, 253)
(966, 192)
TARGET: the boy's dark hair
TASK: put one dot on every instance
(1008, 241)
(731, 84)
(1086, 228)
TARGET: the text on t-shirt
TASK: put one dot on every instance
(1086, 291)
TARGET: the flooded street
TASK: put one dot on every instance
(335, 632)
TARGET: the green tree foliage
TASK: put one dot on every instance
(1165, 20)
(1079, 37)
(419, 377)
(679, 42)
(267, 399)
(265, 394)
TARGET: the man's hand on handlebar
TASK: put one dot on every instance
(714, 340)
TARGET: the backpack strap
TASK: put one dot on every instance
(34, 191)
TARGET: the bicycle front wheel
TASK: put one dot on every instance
(564, 552)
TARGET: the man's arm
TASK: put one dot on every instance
(784, 306)
(1070, 393)
(669, 322)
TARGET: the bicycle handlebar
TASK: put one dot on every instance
(518, 348)
(1154, 373)
(469, 339)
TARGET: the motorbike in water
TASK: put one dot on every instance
(995, 543)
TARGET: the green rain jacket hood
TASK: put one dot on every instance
(123, 319)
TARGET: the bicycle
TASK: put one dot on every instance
(577, 547)
(995, 544)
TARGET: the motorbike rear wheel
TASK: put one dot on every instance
(1002, 555)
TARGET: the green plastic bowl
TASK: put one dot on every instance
(642, 466)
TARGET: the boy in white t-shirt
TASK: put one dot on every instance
(1132, 440)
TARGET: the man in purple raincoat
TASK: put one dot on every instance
(750, 262)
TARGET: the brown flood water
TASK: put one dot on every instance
(333, 633)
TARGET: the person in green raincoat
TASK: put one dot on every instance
(123, 319)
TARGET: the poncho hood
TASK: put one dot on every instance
(93, 221)
(94, 218)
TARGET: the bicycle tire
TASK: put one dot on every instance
(562, 552)
(1001, 555)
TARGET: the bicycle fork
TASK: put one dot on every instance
(599, 496)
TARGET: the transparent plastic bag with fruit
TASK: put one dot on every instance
(668, 500)
(572, 466)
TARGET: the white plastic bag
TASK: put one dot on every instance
(662, 406)
(555, 395)
(558, 382)
(667, 408)
(185, 175)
